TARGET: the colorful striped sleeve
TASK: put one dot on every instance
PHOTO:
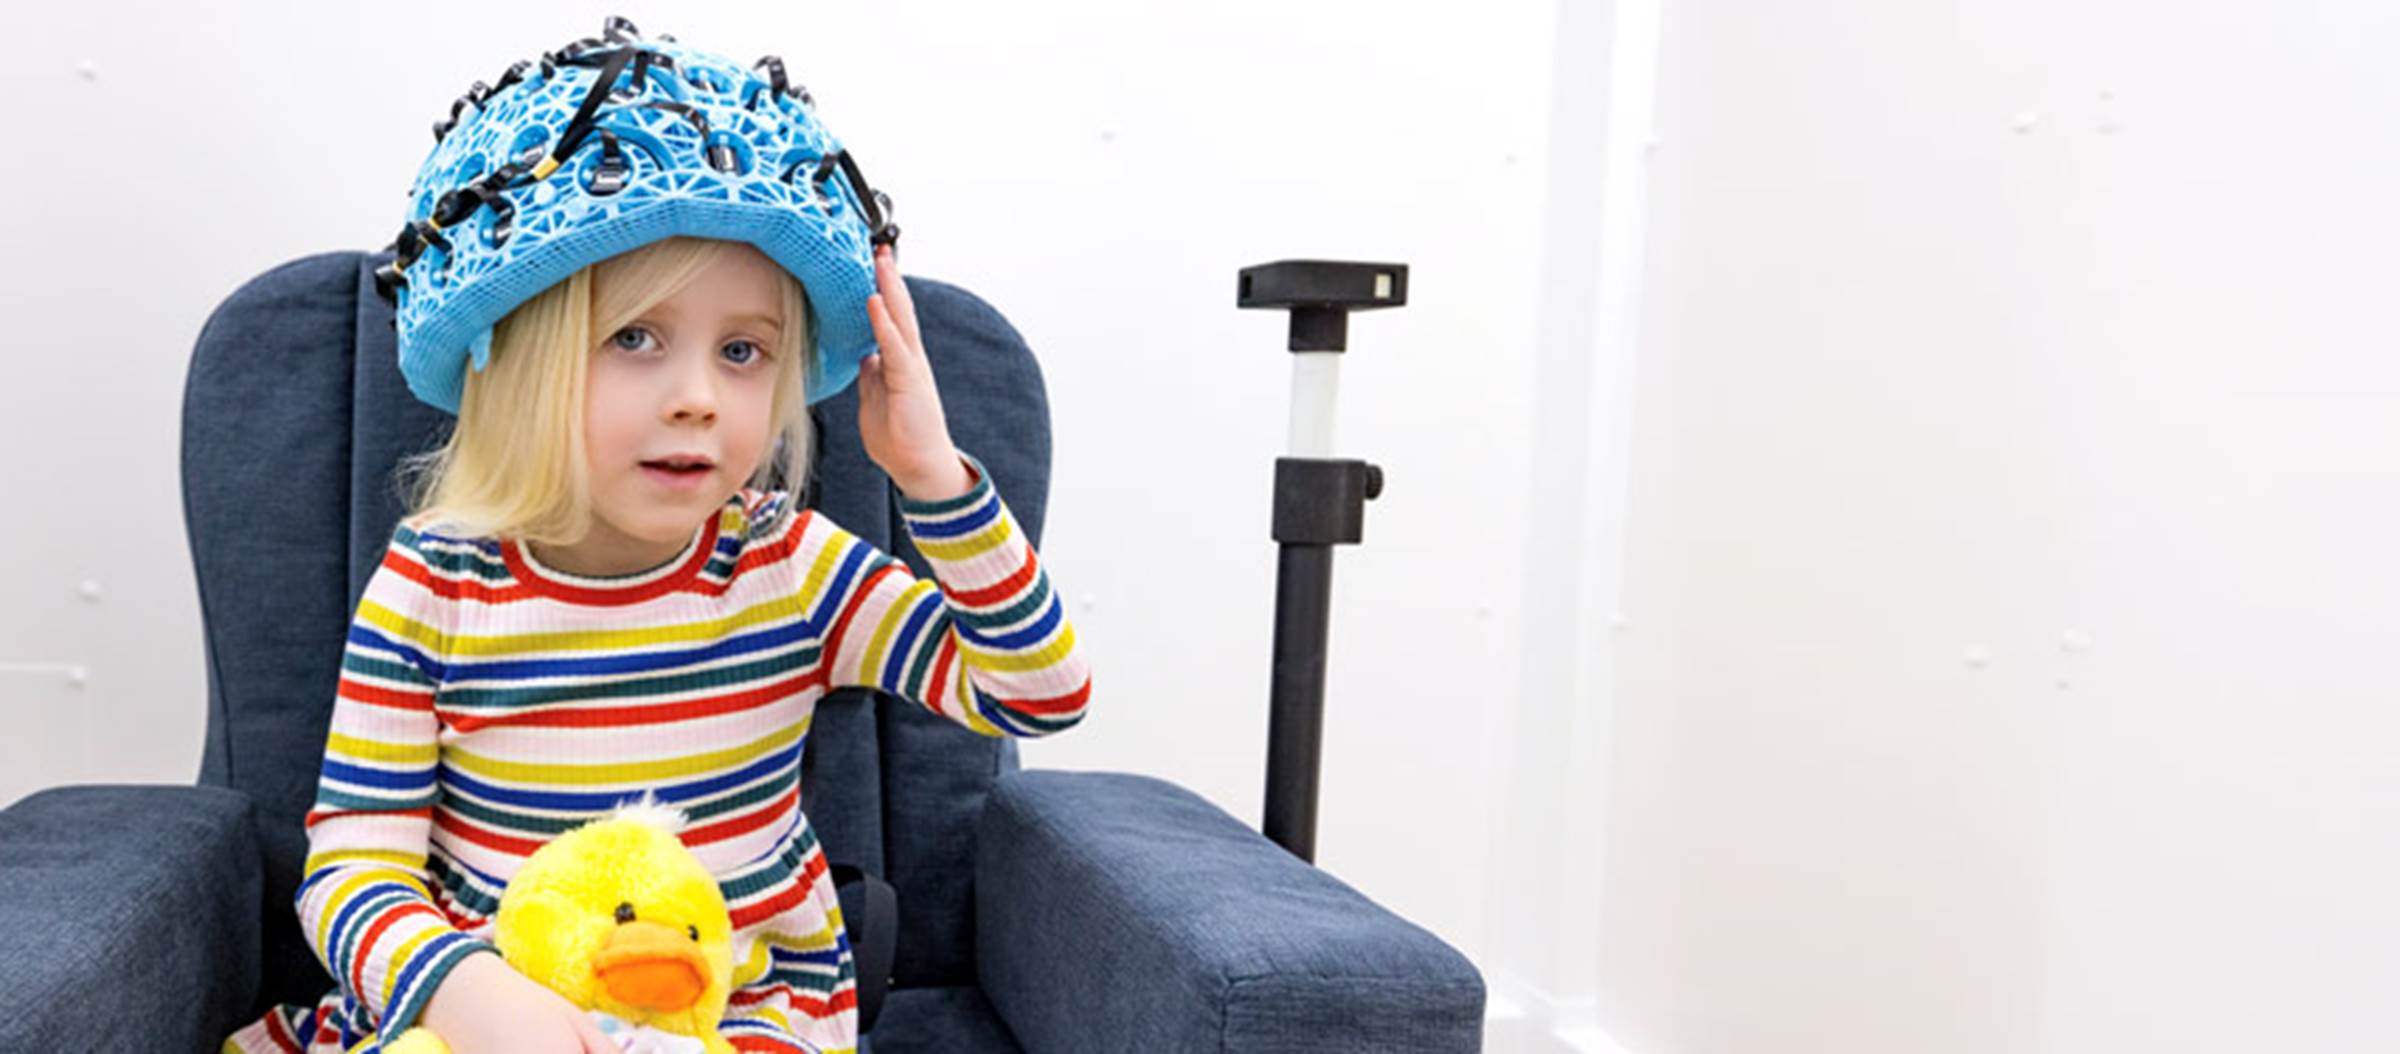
(987, 644)
(363, 900)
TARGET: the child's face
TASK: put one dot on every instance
(693, 375)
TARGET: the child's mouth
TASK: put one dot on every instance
(676, 474)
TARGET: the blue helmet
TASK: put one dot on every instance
(609, 144)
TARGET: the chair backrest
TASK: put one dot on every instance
(294, 418)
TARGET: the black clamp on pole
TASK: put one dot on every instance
(1320, 502)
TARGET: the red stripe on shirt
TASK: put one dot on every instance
(1056, 705)
(656, 713)
(744, 823)
(814, 1006)
(450, 821)
(933, 692)
(358, 969)
(858, 598)
(786, 898)
(395, 698)
(1002, 589)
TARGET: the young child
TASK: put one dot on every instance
(630, 311)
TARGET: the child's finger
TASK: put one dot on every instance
(870, 389)
(902, 357)
(879, 316)
(589, 1035)
(903, 307)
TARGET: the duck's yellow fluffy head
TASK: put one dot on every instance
(618, 916)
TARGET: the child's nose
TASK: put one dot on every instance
(694, 394)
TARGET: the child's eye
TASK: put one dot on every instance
(756, 352)
(615, 340)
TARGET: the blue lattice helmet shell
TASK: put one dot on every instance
(604, 146)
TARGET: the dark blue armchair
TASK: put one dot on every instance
(1037, 911)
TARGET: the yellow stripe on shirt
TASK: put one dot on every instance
(625, 772)
(355, 748)
(971, 546)
(1021, 661)
(399, 957)
(608, 640)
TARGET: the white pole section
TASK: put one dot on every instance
(1316, 385)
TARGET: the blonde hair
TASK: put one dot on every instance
(514, 465)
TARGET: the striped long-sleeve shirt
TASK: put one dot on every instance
(487, 703)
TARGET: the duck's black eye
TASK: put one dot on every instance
(625, 912)
(693, 930)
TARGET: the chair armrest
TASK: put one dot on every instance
(1117, 912)
(129, 918)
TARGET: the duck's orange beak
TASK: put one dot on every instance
(650, 966)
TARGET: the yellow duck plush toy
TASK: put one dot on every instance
(621, 919)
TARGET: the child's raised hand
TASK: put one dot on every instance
(899, 412)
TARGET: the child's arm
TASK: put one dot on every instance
(363, 901)
(987, 645)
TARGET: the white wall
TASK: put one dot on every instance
(2058, 336)
(1548, 836)
(1097, 170)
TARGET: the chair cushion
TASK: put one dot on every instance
(146, 939)
(952, 1020)
(1084, 879)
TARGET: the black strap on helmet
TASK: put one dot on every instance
(608, 177)
(581, 124)
(479, 193)
(478, 93)
(783, 85)
(566, 55)
(698, 120)
(720, 156)
(475, 95)
(642, 61)
(878, 205)
(414, 237)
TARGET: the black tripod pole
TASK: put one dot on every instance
(1320, 502)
